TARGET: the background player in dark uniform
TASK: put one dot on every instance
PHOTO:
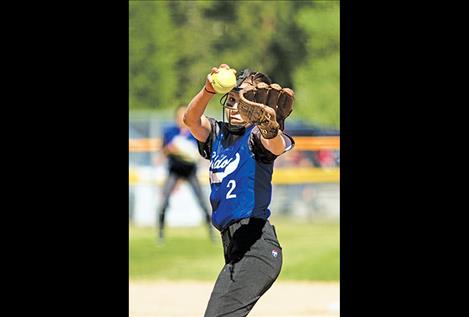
(180, 147)
(240, 172)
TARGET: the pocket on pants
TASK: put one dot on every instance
(270, 236)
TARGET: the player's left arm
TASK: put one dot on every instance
(276, 145)
(268, 106)
(168, 138)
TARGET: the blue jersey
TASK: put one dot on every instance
(240, 174)
(182, 158)
(172, 131)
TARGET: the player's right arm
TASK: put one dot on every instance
(169, 133)
(194, 117)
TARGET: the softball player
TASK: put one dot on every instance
(242, 155)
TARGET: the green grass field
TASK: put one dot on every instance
(310, 251)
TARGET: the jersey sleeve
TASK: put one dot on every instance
(260, 152)
(205, 148)
(169, 132)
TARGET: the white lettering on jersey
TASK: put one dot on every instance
(228, 164)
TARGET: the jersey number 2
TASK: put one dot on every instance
(233, 186)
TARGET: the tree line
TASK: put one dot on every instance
(173, 44)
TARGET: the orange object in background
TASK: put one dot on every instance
(304, 143)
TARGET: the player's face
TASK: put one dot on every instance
(232, 102)
(233, 115)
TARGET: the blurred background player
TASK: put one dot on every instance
(180, 148)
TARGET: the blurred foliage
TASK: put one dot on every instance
(173, 45)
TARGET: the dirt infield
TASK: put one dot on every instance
(189, 299)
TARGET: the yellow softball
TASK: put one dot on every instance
(224, 80)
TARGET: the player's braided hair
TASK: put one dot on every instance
(251, 77)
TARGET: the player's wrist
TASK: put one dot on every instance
(269, 131)
(208, 91)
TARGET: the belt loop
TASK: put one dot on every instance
(232, 271)
(226, 234)
(230, 229)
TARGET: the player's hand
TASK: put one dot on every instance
(208, 81)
